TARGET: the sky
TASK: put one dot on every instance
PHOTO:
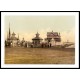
(28, 26)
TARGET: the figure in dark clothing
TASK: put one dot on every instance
(25, 44)
(42, 45)
(50, 44)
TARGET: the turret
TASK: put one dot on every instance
(37, 35)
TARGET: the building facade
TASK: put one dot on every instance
(53, 37)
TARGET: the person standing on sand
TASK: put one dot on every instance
(50, 44)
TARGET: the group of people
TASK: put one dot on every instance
(26, 44)
(42, 45)
(46, 45)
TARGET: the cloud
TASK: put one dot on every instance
(68, 35)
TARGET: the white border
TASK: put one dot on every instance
(76, 65)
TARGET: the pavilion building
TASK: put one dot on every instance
(37, 40)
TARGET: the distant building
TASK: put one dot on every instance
(53, 38)
(11, 39)
(36, 40)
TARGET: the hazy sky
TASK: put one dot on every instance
(27, 26)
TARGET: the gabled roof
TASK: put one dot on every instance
(54, 33)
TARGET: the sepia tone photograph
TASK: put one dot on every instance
(39, 39)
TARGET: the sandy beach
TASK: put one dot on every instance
(19, 55)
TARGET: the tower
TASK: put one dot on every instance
(9, 31)
(7, 35)
(37, 35)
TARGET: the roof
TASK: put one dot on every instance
(37, 33)
(54, 33)
(37, 38)
(13, 33)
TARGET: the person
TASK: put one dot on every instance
(50, 44)
(42, 45)
(26, 44)
(32, 45)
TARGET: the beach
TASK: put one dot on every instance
(21, 55)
